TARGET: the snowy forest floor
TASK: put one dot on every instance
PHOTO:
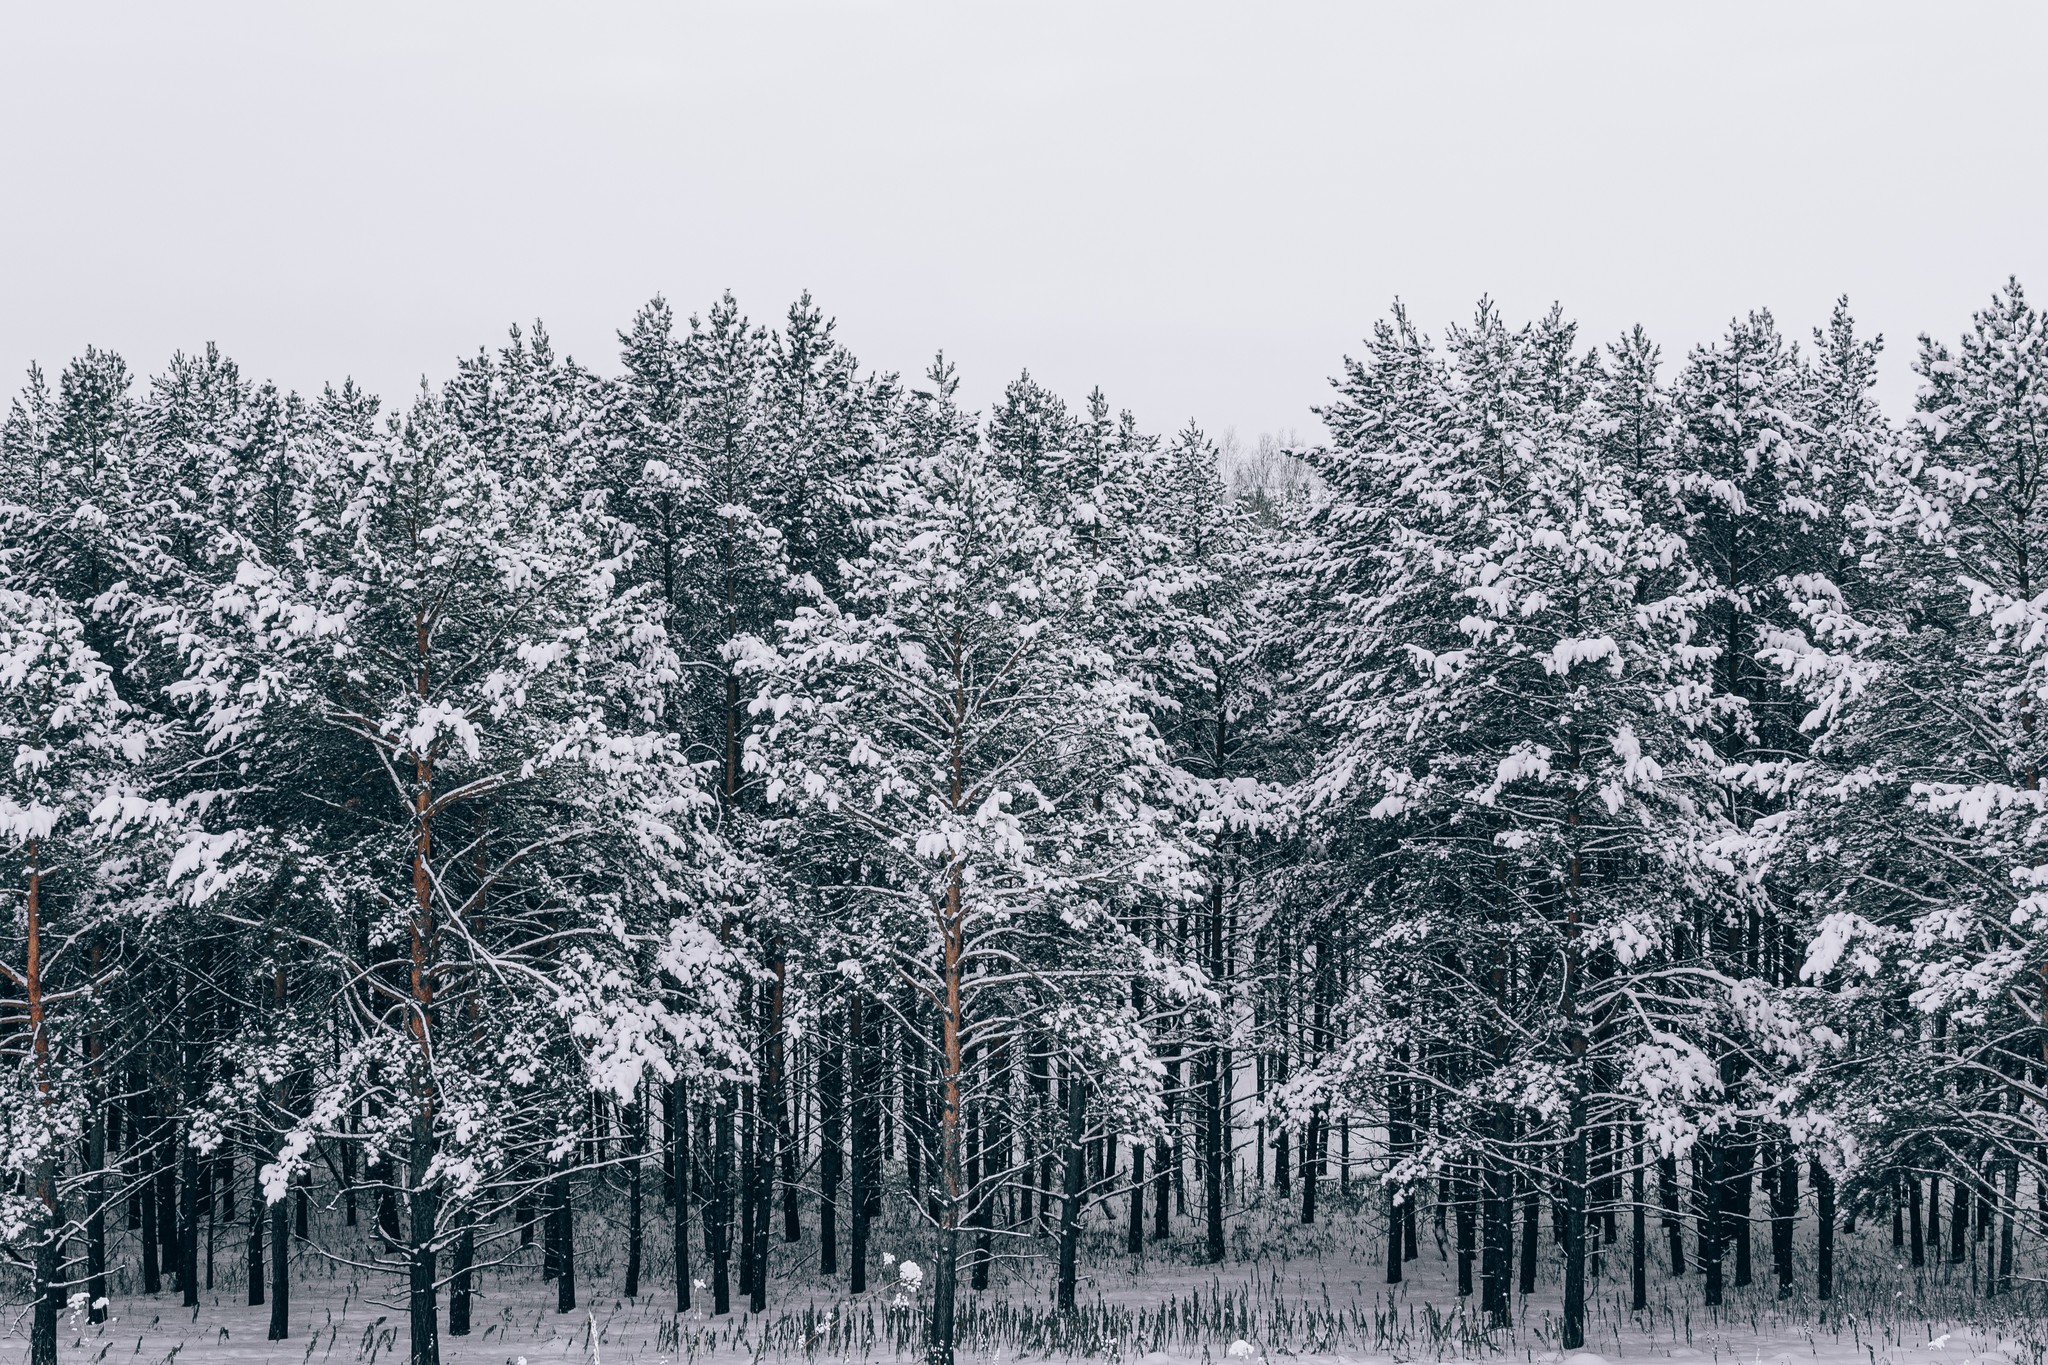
(1311, 1294)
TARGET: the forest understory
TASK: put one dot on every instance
(1314, 1293)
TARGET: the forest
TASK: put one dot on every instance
(738, 833)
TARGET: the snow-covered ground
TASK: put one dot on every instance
(1311, 1295)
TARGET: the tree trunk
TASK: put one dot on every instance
(768, 1139)
(1638, 1233)
(749, 1195)
(978, 1208)
(952, 1177)
(678, 1157)
(96, 1207)
(863, 1157)
(1824, 1226)
(636, 1138)
(1070, 1189)
(188, 1222)
(1394, 1202)
(1959, 1221)
(1530, 1238)
(257, 1213)
(1312, 1143)
(280, 1273)
(1498, 1211)
(831, 1140)
(1162, 1185)
(1785, 1210)
(49, 1270)
(565, 1248)
(1708, 1194)
(1134, 1242)
(1674, 1225)
(1466, 1188)
(1573, 1337)
(784, 1145)
(2005, 1220)
(719, 1222)
(459, 1282)
(1736, 1220)
(422, 1312)
(1919, 1253)
(1217, 1144)
(668, 1148)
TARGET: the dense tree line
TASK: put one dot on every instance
(758, 794)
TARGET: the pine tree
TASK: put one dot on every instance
(952, 729)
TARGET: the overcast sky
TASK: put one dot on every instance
(1200, 207)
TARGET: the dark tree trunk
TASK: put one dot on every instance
(677, 1158)
(2005, 1228)
(1215, 1101)
(188, 1224)
(49, 1270)
(1674, 1225)
(831, 1140)
(256, 1216)
(863, 1155)
(1736, 1221)
(1134, 1242)
(1164, 1157)
(1959, 1221)
(749, 1172)
(1919, 1255)
(1708, 1193)
(978, 1205)
(280, 1272)
(668, 1149)
(1497, 1233)
(1530, 1237)
(459, 1281)
(1638, 1234)
(422, 1310)
(96, 1211)
(1312, 1143)
(1070, 1189)
(565, 1250)
(1824, 1226)
(636, 1138)
(1466, 1188)
(1573, 1337)
(1394, 1201)
(719, 1223)
(1784, 1210)
(784, 1146)
(550, 1235)
(348, 1176)
(767, 1138)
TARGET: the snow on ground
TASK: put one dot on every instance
(1315, 1296)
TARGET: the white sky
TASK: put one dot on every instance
(1199, 206)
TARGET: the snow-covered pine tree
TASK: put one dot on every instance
(73, 908)
(1756, 499)
(1924, 659)
(486, 847)
(77, 564)
(1510, 714)
(952, 729)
